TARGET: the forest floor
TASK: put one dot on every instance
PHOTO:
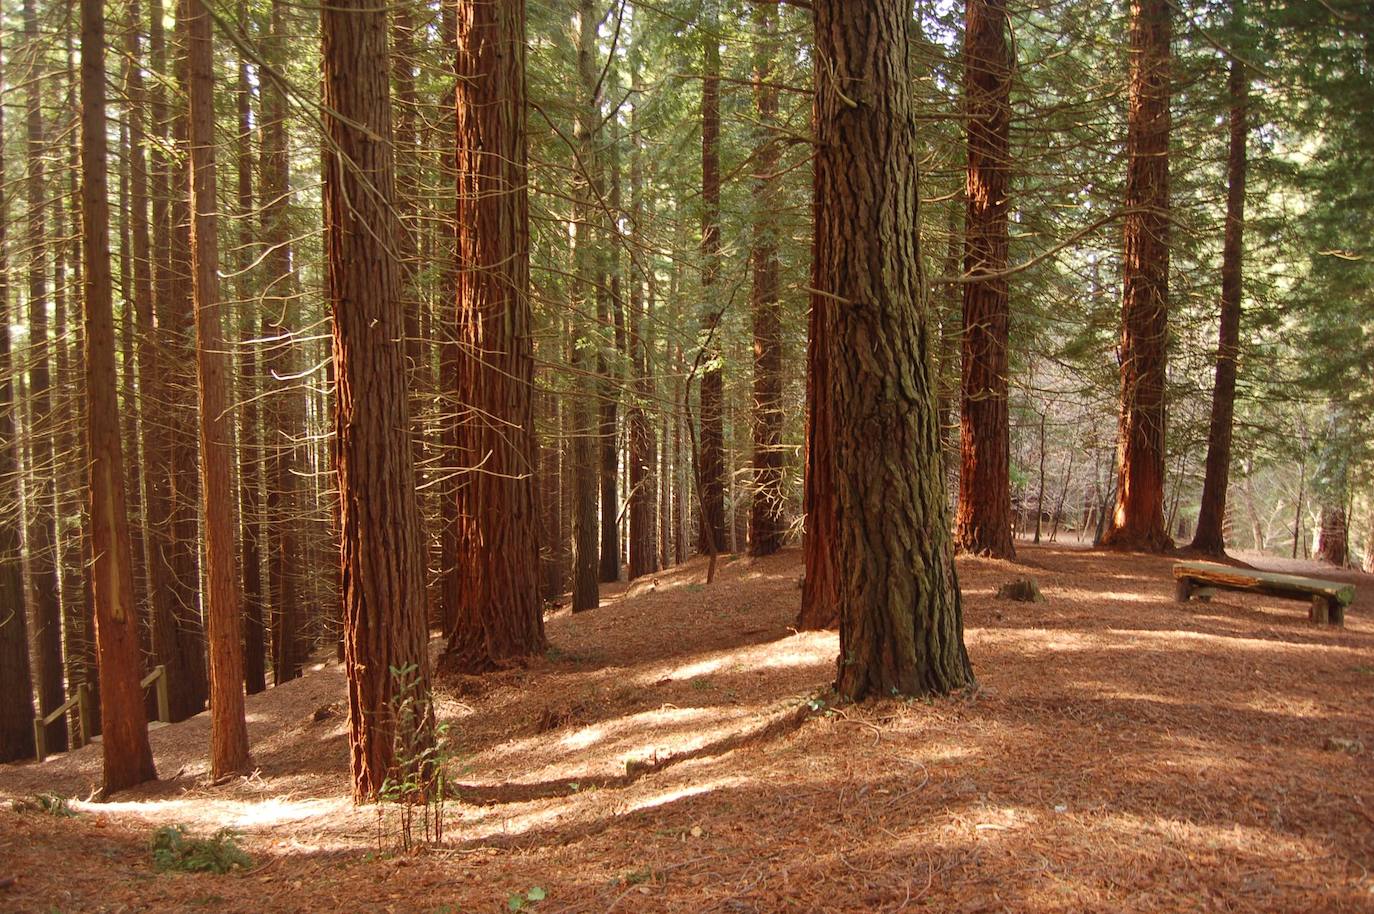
(1123, 753)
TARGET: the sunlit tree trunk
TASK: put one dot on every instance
(901, 623)
(383, 552)
(1138, 519)
(499, 613)
(128, 760)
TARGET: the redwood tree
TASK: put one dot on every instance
(766, 521)
(711, 460)
(228, 729)
(499, 612)
(1209, 537)
(127, 756)
(901, 621)
(16, 689)
(983, 521)
(1138, 519)
(383, 553)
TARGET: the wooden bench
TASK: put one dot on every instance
(1202, 579)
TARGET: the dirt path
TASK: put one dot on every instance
(1124, 754)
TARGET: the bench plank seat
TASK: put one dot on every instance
(1329, 598)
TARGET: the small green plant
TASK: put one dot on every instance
(521, 900)
(416, 787)
(175, 849)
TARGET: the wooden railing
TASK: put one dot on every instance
(81, 702)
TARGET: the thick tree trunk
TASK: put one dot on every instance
(901, 622)
(1138, 519)
(41, 541)
(499, 613)
(767, 522)
(1209, 537)
(382, 550)
(127, 756)
(16, 688)
(983, 521)
(711, 459)
(224, 620)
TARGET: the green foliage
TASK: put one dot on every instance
(416, 787)
(176, 850)
(522, 900)
(46, 804)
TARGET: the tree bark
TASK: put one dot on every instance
(224, 620)
(767, 523)
(499, 610)
(711, 471)
(382, 550)
(41, 541)
(285, 415)
(1209, 537)
(820, 596)
(584, 472)
(16, 688)
(983, 520)
(1138, 519)
(901, 622)
(128, 760)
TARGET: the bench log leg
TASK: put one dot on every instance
(1335, 613)
(1183, 588)
(1320, 611)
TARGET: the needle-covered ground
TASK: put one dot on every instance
(1123, 753)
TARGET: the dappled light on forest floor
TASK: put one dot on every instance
(675, 751)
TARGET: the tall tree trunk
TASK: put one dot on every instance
(189, 681)
(286, 414)
(383, 552)
(983, 520)
(901, 622)
(584, 473)
(610, 315)
(228, 728)
(250, 430)
(820, 596)
(1209, 536)
(1138, 519)
(767, 523)
(711, 459)
(499, 611)
(643, 494)
(41, 541)
(16, 688)
(127, 756)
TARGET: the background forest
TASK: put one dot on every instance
(670, 253)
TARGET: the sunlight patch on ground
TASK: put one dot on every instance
(801, 649)
(1237, 642)
(237, 814)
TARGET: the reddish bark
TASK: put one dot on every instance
(711, 459)
(983, 521)
(1138, 519)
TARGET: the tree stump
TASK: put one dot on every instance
(1022, 590)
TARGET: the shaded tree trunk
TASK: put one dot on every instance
(41, 541)
(643, 460)
(128, 760)
(901, 622)
(499, 613)
(820, 597)
(1209, 536)
(382, 547)
(711, 468)
(16, 688)
(767, 523)
(224, 620)
(983, 520)
(1138, 519)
